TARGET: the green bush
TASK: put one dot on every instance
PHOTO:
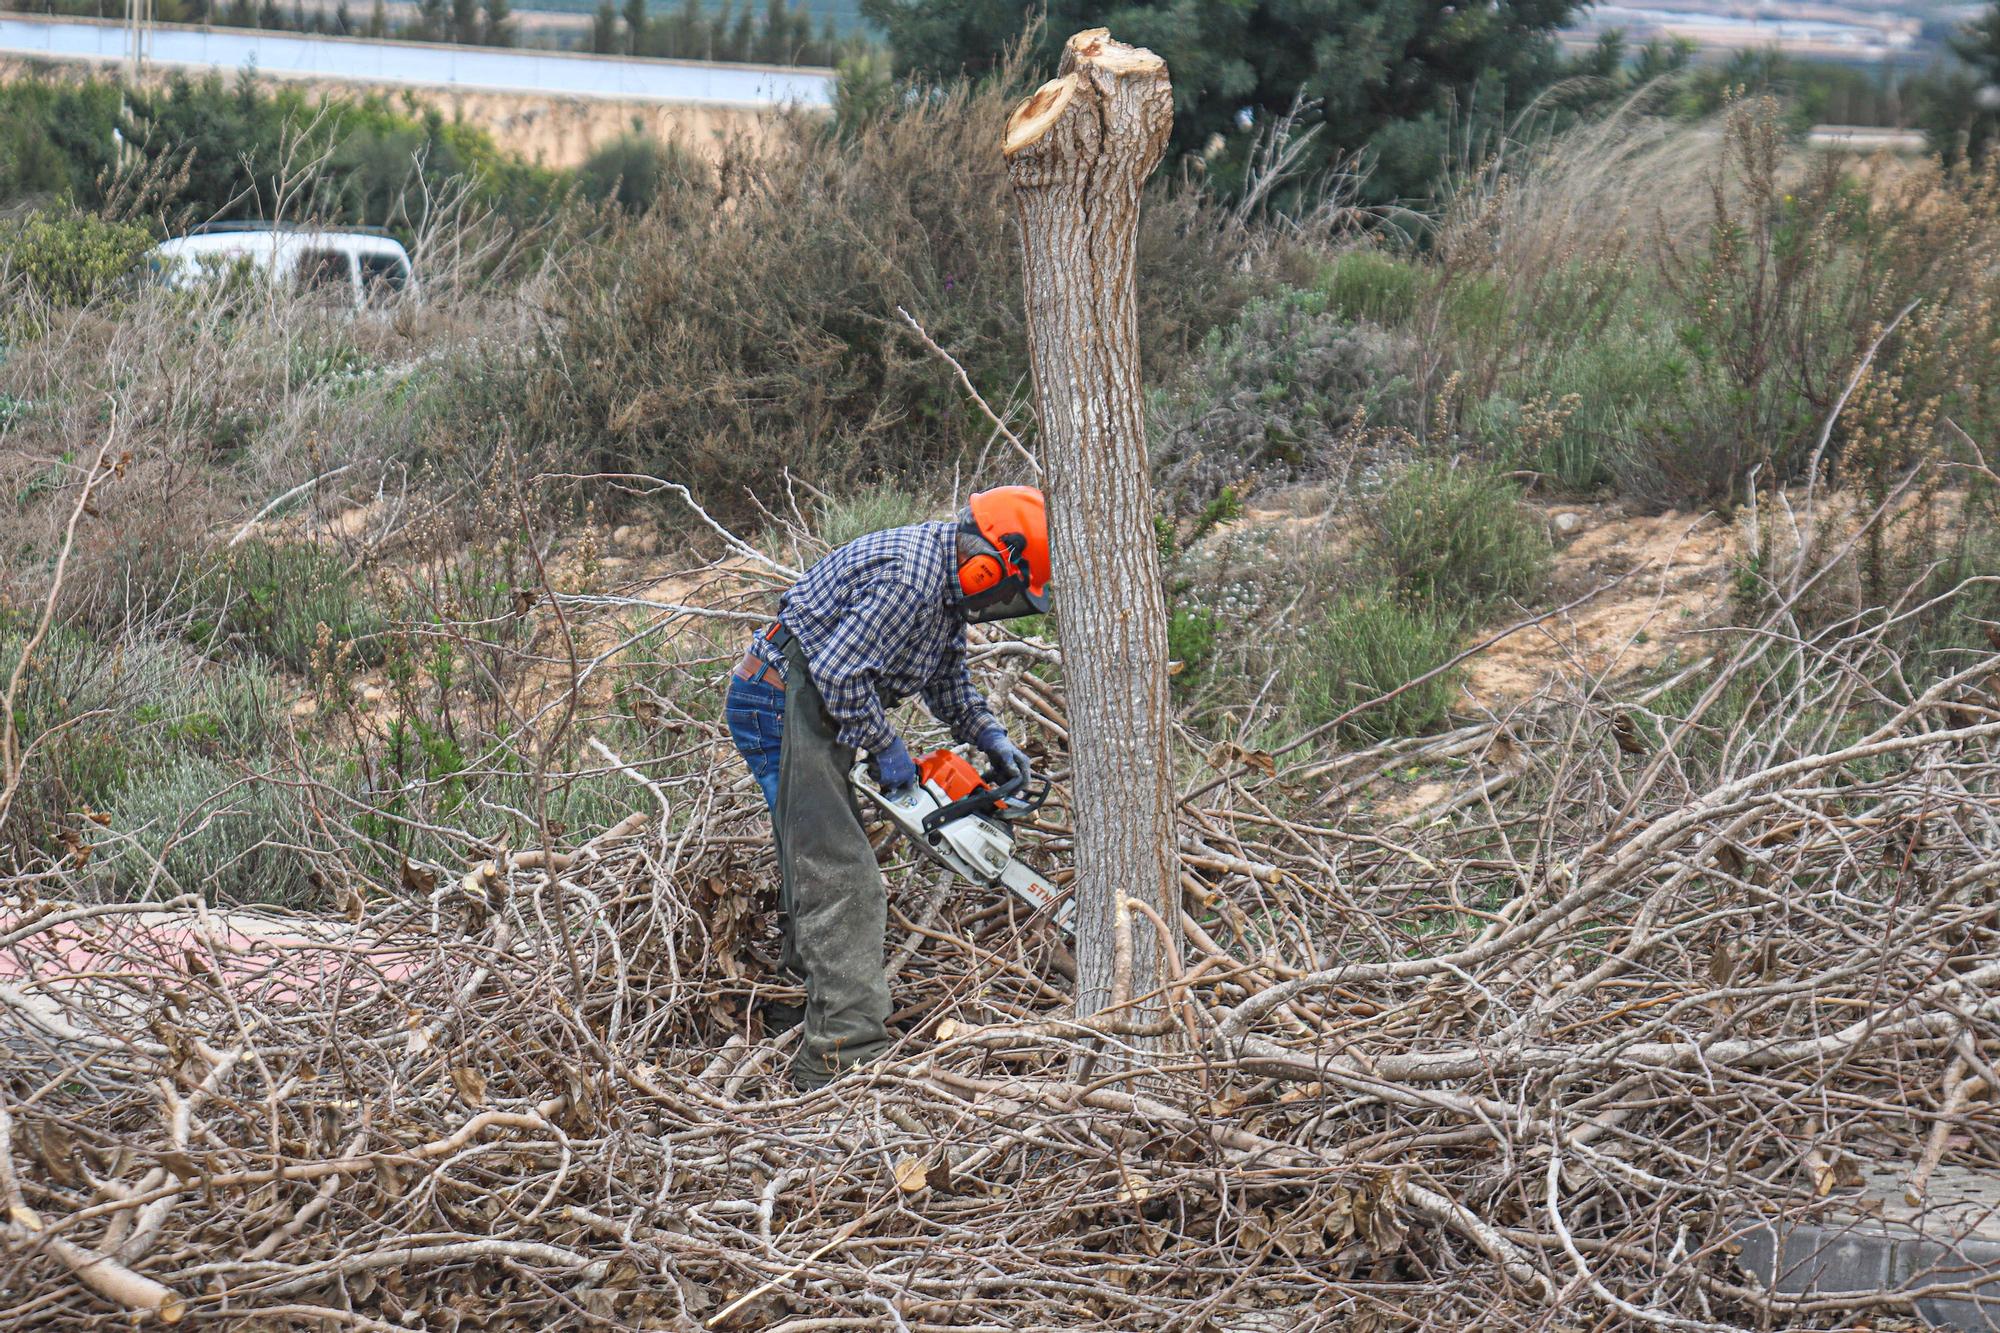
(200, 149)
(720, 345)
(195, 824)
(1371, 285)
(1362, 648)
(292, 602)
(70, 259)
(870, 510)
(96, 718)
(1273, 394)
(1457, 537)
(1592, 412)
(1191, 634)
(634, 171)
(55, 137)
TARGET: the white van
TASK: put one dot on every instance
(351, 266)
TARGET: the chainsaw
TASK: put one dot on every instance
(964, 822)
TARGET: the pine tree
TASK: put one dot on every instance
(378, 20)
(1969, 121)
(742, 35)
(343, 21)
(604, 29)
(635, 28)
(465, 21)
(268, 16)
(499, 27)
(434, 24)
(685, 31)
(777, 29)
(1405, 79)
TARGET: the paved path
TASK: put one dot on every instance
(421, 64)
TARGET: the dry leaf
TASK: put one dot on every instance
(1626, 732)
(1230, 755)
(947, 1029)
(912, 1177)
(418, 879)
(24, 1217)
(1722, 963)
(471, 1085)
(56, 1150)
(420, 1035)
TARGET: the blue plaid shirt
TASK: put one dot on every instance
(876, 623)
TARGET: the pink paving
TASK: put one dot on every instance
(268, 959)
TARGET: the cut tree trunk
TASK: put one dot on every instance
(1079, 151)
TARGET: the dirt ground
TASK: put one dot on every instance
(1668, 574)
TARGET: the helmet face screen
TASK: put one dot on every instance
(1006, 600)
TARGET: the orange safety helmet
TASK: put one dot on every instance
(1003, 554)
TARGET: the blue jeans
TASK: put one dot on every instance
(755, 711)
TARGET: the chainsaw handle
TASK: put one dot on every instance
(987, 800)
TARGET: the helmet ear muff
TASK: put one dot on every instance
(980, 573)
(983, 565)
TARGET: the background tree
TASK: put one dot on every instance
(684, 29)
(465, 21)
(497, 29)
(1404, 79)
(604, 29)
(1961, 113)
(636, 33)
(776, 33)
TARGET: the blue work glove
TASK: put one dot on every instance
(893, 770)
(1009, 758)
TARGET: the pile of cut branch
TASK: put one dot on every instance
(1653, 976)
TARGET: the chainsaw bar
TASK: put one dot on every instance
(908, 811)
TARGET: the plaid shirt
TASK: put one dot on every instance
(876, 623)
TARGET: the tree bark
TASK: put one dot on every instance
(1079, 151)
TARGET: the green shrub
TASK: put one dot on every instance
(1456, 536)
(870, 510)
(70, 259)
(1362, 648)
(55, 137)
(1594, 411)
(276, 596)
(96, 717)
(1371, 285)
(634, 171)
(195, 824)
(1191, 634)
(1273, 394)
(719, 345)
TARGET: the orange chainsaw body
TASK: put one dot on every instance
(953, 776)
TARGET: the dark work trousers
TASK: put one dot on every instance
(830, 897)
